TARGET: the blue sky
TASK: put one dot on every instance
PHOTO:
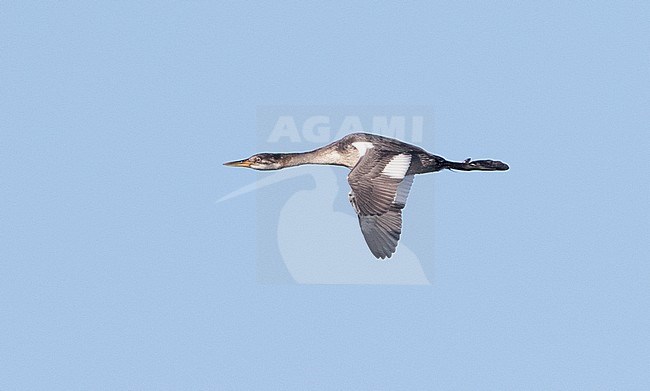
(118, 270)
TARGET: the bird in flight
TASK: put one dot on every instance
(382, 171)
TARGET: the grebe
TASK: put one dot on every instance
(382, 171)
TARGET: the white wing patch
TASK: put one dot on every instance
(362, 147)
(398, 166)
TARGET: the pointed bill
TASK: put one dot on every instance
(238, 163)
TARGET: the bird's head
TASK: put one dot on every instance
(260, 161)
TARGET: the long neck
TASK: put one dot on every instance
(325, 155)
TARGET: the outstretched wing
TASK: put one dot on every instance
(380, 186)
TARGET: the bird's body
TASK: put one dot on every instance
(382, 171)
